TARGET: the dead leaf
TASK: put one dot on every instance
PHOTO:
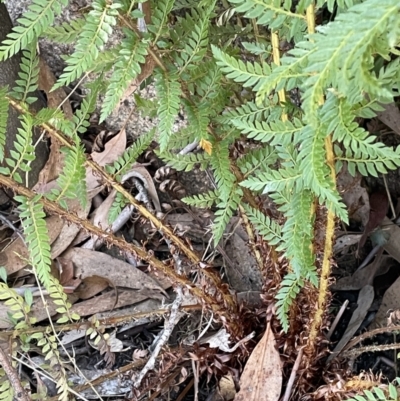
(390, 301)
(227, 388)
(365, 276)
(262, 376)
(355, 197)
(379, 204)
(206, 145)
(91, 286)
(390, 116)
(9, 257)
(91, 263)
(393, 233)
(364, 302)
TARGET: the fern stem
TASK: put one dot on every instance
(226, 310)
(277, 60)
(330, 225)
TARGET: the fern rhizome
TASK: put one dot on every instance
(292, 91)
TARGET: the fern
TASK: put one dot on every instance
(126, 160)
(35, 21)
(94, 36)
(168, 90)
(202, 200)
(159, 19)
(67, 32)
(377, 394)
(23, 152)
(72, 180)
(257, 160)
(266, 227)
(3, 121)
(185, 162)
(132, 53)
(36, 237)
(116, 208)
(28, 76)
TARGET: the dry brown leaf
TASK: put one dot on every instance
(91, 286)
(364, 302)
(121, 274)
(9, 257)
(112, 150)
(390, 301)
(362, 277)
(390, 117)
(262, 376)
(55, 162)
(227, 388)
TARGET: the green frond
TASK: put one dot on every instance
(316, 173)
(198, 118)
(3, 121)
(72, 180)
(226, 209)
(39, 16)
(81, 117)
(220, 164)
(205, 200)
(378, 394)
(19, 309)
(290, 288)
(126, 160)
(116, 208)
(343, 56)
(275, 132)
(168, 91)
(28, 75)
(127, 66)
(47, 115)
(185, 162)
(248, 74)
(266, 227)
(275, 180)
(272, 13)
(194, 45)
(159, 18)
(36, 236)
(181, 138)
(23, 153)
(257, 160)
(67, 32)
(90, 43)
(6, 390)
(290, 74)
(250, 112)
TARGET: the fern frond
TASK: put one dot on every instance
(67, 32)
(181, 138)
(247, 74)
(168, 91)
(205, 200)
(267, 228)
(198, 118)
(125, 161)
(88, 105)
(225, 211)
(271, 13)
(3, 121)
(275, 132)
(36, 236)
(257, 160)
(23, 153)
(220, 165)
(343, 53)
(72, 180)
(28, 76)
(127, 66)
(185, 162)
(275, 180)
(31, 25)
(91, 40)
(159, 19)
(116, 208)
(6, 390)
(194, 46)
(290, 288)
(316, 173)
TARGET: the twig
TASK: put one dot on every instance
(293, 376)
(227, 311)
(19, 392)
(11, 225)
(337, 318)
(389, 198)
